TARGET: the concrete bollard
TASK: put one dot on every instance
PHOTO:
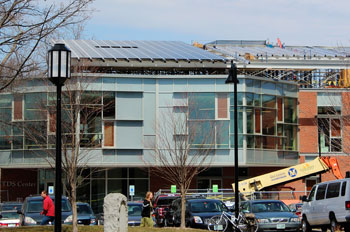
(115, 213)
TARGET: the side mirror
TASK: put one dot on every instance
(18, 211)
(303, 198)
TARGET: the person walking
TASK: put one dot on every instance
(147, 210)
(48, 209)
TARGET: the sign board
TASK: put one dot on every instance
(51, 191)
(173, 189)
(132, 190)
(215, 188)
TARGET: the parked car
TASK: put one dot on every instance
(11, 205)
(272, 215)
(85, 214)
(32, 207)
(9, 218)
(134, 213)
(198, 212)
(161, 206)
(296, 208)
(327, 206)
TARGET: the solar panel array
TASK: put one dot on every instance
(138, 50)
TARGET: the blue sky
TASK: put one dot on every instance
(295, 22)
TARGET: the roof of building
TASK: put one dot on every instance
(259, 53)
(138, 50)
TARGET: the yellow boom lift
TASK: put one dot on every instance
(318, 165)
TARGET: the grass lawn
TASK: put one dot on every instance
(94, 229)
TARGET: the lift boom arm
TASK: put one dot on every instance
(292, 173)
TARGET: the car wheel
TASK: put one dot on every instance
(324, 228)
(334, 224)
(305, 225)
(347, 227)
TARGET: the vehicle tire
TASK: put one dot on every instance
(324, 228)
(217, 223)
(333, 224)
(347, 227)
(305, 226)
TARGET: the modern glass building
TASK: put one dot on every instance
(133, 82)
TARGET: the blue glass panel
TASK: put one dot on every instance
(202, 105)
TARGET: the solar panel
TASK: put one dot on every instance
(140, 50)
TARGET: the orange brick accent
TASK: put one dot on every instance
(308, 127)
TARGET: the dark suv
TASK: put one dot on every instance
(32, 207)
(161, 206)
(198, 212)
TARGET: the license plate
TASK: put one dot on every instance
(281, 226)
(218, 227)
(11, 225)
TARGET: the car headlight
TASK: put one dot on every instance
(29, 220)
(295, 219)
(197, 219)
(263, 220)
(69, 219)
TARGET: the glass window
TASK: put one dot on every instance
(269, 101)
(202, 106)
(222, 134)
(269, 142)
(250, 141)
(311, 196)
(37, 137)
(321, 190)
(201, 134)
(98, 192)
(6, 101)
(108, 105)
(290, 137)
(257, 100)
(268, 85)
(91, 97)
(138, 173)
(250, 120)
(117, 173)
(268, 121)
(239, 99)
(290, 110)
(34, 106)
(240, 120)
(258, 140)
(249, 97)
(329, 110)
(333, 190)
(240, 140)
(343, 188)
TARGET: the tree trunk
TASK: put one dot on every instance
(74, 207)
(183, 207)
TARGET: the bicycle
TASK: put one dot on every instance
(244, 222)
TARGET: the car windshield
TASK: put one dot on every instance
(208, 206)
(84, 210)
(11, 206)
(36, 206)
(269, 207)
(165, 201)
(134, 210)
(9, 215)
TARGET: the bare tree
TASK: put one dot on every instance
(182, 149)
(81, 130)
(25, 25)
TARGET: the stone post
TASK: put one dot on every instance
(115, 213)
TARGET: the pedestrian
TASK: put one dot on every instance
(147, 210)
(48, 209)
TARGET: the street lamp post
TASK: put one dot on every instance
(232, 78)
(59, 57)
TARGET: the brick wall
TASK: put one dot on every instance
(308, 128)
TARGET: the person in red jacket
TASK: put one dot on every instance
(48, 209)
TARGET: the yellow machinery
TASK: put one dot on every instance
(289, 174)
